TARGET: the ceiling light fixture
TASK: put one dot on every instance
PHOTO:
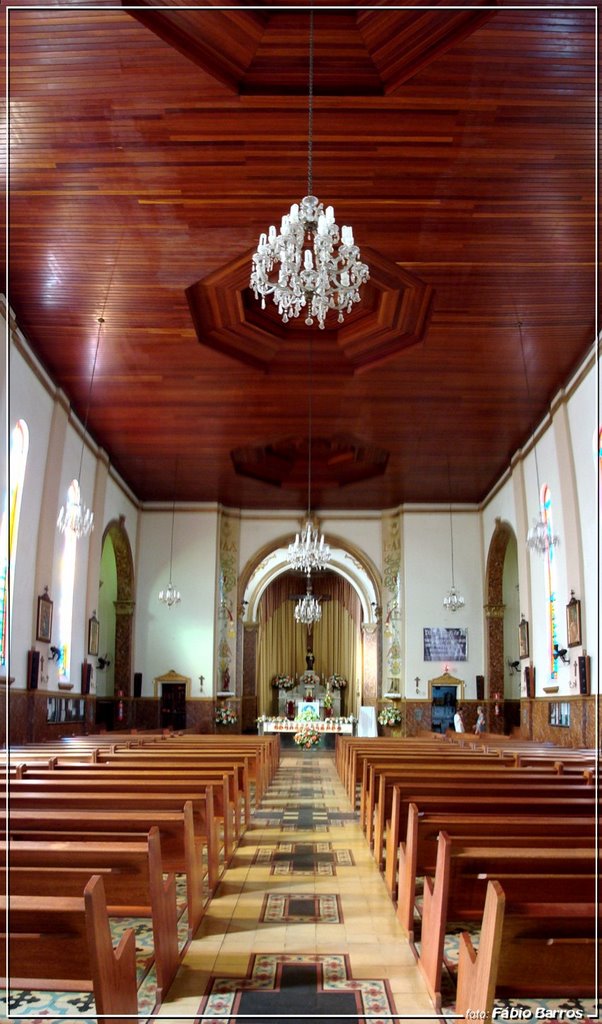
(170, 595)
(453, 601)
(309, 550)
(315, 271)
(74, 516)
(308, 609)
(540, 537)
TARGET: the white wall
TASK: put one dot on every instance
(427, 579)
(181, 637)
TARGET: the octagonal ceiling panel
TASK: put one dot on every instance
(334, 460)
(393, 315)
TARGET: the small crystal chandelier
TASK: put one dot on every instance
(308, 609)
(170, 595)
(74, 516)
(540, 537)
(315, 272)
(309, 550)
(453, 601)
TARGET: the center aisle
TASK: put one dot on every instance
(301, 922)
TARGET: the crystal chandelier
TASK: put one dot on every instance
(308, 609)
(315, 272)
(74, 516)
(309, 550)
(540, 537)
(170, 595)
(453, 601)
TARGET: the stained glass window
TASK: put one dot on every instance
(9, 530)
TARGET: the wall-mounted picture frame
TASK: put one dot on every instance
(573, 622)
(445, 644)
(93, 635)
(523, 638)
(560, 714)
(44, 619)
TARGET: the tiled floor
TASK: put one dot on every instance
(302, 889)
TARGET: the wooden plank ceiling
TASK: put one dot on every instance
(149, 149)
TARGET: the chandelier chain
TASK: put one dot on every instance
(310, 105)
(528, 390)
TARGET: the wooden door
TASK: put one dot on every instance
(173, 706)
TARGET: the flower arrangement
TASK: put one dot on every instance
(306, 737)
(283, 682)
(390, 715)
(337, 682)
(309, 679)
(308, 715)
(224, 715)
(327, 699)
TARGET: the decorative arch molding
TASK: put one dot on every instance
(124, 604)
(347, 561)
(494, 608)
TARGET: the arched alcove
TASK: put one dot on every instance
(123, 602)
(501, 588)
(351, 565)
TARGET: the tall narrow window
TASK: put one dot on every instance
(546, 513)
(9, 530)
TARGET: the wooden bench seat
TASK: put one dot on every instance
(132, 874)
(458, 891)
(181, 851)
(65, 943)
(479, 798)
(224, 783)
(418, 854)
(527, 950)
(203, 819)
(469, 784)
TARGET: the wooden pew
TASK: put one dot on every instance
(418, 854)
(458, 890)
(65, 943)
(181, 851)
(145, 800)
(526, 950)
(122, 779)
(132, 874)
(530, 799)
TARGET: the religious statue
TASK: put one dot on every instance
(309, 659)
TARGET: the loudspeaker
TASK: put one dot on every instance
(137, 684)
(86, 676)
(33, 669)
(583, 670)
(480, 687)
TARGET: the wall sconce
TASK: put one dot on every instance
(514, 667)
(55, 654)
(561, 652)
(103, 662)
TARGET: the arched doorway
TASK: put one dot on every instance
(354, 582)
(502, 614)
(116, 606)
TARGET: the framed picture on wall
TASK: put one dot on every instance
(44, 620)
(93, 635)
(442, 644)
(523, 638)
(573, 622)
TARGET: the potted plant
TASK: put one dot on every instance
(390, 717)
(225, 715)
(327, 704)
